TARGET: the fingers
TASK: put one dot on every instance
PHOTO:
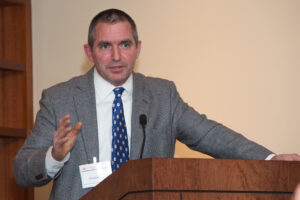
(77, 126)
(64, 138)
(73, 131)
(287, 157)
(64, 126)
(292, 157)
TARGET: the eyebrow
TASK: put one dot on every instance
(101, 43)
(110, 42)
(126, 41)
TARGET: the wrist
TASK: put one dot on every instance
(56, 155)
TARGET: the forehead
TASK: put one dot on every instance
(113, 32)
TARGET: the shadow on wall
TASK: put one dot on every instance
(86, 65)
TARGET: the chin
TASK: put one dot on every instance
(119, 80)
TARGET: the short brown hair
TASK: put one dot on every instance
(111, 16)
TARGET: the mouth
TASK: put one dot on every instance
(116, 68)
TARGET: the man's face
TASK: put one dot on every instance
(114, 51)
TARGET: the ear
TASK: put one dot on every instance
(138, 48)
(88, 52)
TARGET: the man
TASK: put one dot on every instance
(97, 115)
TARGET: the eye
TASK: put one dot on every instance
(125, 44)
(104, 45)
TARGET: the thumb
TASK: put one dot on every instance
(78, 126)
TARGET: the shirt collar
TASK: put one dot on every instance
(104, 88)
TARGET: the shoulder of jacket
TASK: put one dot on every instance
(153, 84)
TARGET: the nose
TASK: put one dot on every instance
(116, 56)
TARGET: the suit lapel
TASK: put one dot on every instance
(140, 105)
(85, 105)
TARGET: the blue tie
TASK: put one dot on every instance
(120, 150)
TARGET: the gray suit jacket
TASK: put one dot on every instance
(169, 118)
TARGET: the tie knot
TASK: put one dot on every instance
(118, 91)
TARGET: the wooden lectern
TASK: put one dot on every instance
(207, 179)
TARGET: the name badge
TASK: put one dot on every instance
(92, 174)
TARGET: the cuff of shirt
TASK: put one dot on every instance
(270, 156)
(53, 166)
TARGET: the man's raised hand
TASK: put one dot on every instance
(64, 138)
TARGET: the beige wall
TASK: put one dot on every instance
(236, 61)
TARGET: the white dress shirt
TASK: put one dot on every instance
(104, 100)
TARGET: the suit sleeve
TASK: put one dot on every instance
(210, 137)
(29, 163)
